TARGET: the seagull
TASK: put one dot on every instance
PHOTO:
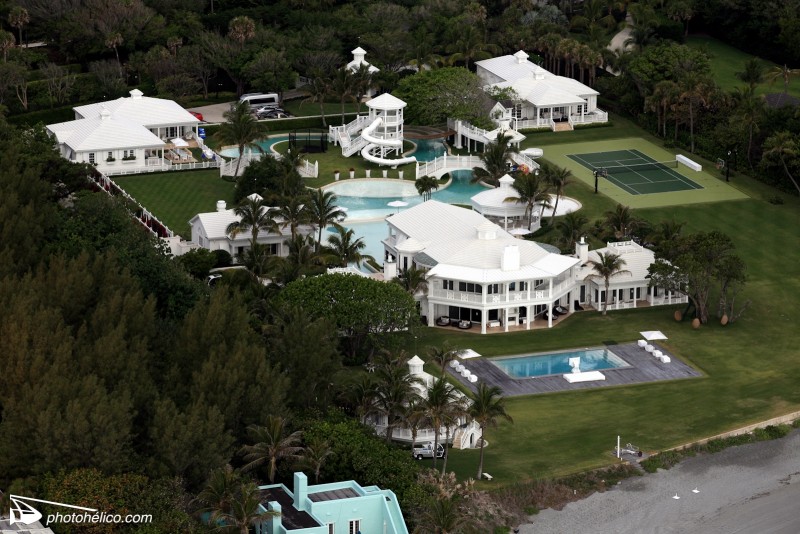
(675, 497)
(695, 490)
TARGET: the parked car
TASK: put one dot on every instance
(267, 112)
(197, 115)
(426, 451)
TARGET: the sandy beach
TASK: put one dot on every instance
(753, 488)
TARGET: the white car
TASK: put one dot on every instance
(426, 451)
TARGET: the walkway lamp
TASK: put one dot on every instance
(728, 167)
(596, 174)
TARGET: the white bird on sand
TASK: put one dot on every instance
(675, 497)
(695, 490)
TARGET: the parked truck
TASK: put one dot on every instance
(426, 451)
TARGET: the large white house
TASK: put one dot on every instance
(479, 274)
(545, 99)
(130, 134)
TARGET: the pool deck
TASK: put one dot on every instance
(643, 368)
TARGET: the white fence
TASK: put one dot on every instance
(141, 215)
(305, 168)
(447, 163)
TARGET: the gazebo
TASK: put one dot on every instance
(494, 204)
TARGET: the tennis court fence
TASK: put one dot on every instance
(652, 165)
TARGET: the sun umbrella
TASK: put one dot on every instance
(397, 204)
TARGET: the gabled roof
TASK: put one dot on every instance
(510, 68)
(548, 92)
(104, 131)
(144, 110)
(432, 220)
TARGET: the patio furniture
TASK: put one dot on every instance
(465, 325)
(588, 376)
(657, 354)
(545, 316)
(561, 310)
(493, 324)
(649, 347)
(578, 306)
(665, 359)
(465, 373)
(473, 378)
(443, 321)
(454, 363)
(642, 343)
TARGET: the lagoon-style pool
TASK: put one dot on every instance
(592, 359)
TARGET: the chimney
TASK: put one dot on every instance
(510, 259)
(521, 57)
(105, 114)
(582, 250)
(136, 94)
(300, 490)
(358, 55)
(221, 205)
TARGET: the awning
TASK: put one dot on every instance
(653, 335)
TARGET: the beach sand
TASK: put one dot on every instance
(753, 488)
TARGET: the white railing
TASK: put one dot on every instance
(229, 167)
(461, 438)
(667, 300)
(160, 165)
(442, 164)
(598, 115)
(308, 169)
(522, 159)
(355, 145)
(142, 216)
(521, 124)
(468, 130)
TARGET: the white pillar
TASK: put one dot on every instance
(431, 311)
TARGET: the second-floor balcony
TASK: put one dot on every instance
(541, 294)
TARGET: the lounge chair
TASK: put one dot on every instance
(578, 306)
(465, 325)
(443, 321)
(561, 310)
(545, 316)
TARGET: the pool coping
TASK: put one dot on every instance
(643, 368)
(495, 359)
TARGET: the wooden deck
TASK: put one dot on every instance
(643, 367)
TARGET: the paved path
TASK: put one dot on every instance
(750, 489)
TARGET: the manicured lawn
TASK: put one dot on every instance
(752, 367)
(176, 197)
(726, 61)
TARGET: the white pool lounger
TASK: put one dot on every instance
(588, 376)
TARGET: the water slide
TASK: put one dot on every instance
(375, 142)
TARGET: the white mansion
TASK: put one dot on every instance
(479, 274)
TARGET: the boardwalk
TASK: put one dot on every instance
(643, 368)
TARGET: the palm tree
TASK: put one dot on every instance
(622, 221)
(570, 228)
(663, 236)
(784, 146)
(395, 387)
(749, 111)
(443, 356)
(664, 94)
(362, 82)
(532, 190)
(241, 29)
(254, 215)
(426, 185)
(442, 516)
(343, 87)
(782, 73)
(270, 444)
(7, 42)
(414, 417)
(18, 17)
(487, 407)
(559, 179)
(605, 267)
(681, 11)
(317, 90)
(412, 280)
(345, 248)
(696, 90)
(293, 212)
(360, 395)
(316, 453)
(241, 129)
(470, 47)
(437, 403)
(324, 211)
(494, 158)
(232, 503)
(455, 410)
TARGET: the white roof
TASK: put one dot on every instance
(144, 110)
(535, 84)
(637, 260)
(358, 60)
(216, 223)
(386, 101)
(496, 198)
(510, 69)
(104, 131)
(454, 243)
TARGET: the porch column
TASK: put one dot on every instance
(431, 309)
(550, 288)
(528, 313)
(571, 306)
(505, 323)
(483, 320)
(550, 314)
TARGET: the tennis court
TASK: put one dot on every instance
(636, 173)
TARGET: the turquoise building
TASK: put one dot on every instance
(336, 508)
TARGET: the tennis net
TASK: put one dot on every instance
(617, 169)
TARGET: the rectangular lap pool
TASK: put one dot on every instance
(592, 359)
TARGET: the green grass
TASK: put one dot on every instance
(176, 197)
(751, 368)
(726, 61)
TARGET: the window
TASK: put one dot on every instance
(355, 526)
(447, 284)
(331, 528)
(493, 289)
(512, 286)
(523, 286)
(128, 154)
(92, 158)
(517, 111)
(110, 156)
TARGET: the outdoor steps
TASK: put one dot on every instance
(563, 127)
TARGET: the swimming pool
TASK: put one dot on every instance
(556, 363)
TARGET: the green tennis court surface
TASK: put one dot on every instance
(636, 173)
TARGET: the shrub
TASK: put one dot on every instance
(775, 200)
(222, 258)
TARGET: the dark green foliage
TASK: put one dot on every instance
(222, 258)
(360, 455)
(433, 96)
(269, 178)
(360, 306)
(198, 262)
